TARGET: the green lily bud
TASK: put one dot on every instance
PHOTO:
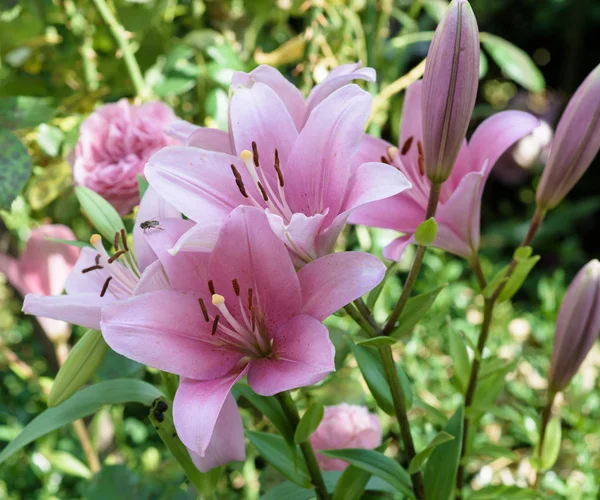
(426, 232)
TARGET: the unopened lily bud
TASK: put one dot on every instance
(449, 89)
(575, 144)
(426, 232)
(83, 361)
(577, 326)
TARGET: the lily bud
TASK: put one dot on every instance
(577, 326)
(83, 361)
(575, 144)
(449, 89)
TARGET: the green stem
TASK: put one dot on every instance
(546, 414)
(170, 382)
(291, 412)
(434, 196)
(118, 33)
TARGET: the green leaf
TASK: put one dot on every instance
(377, 464)
(309, 423)
(514, 62)
(100, 212)
(142, 185)
(496, 281)
(82, 362)
(551, 447)
(461, 365)
(84, 403)
(502, 491)
(440, 471)
(377, 342)
(415, 309)
(275, 451)
(522, 253)
(426, 232)
(493, 451)
(50, 139)
(517, 278)
(17, 112)
(68, 464)
(370, 366)
(417, 462)
(483, 65)
(116, 481)
(78, 244)
(270, 408)
(15, 168)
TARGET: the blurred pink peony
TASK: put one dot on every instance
(114, 144)
(345, 426)
(43, 269)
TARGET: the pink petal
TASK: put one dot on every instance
(199, 238)
(258, 114)
(80, 309)
(197, 408)
(227, 441)
(286, 91)
(198, 183)
(300, 235)
(249, 251)
(331, 282)
(371, 149)
(303, 355)
(166, 330)
(336, 79)
(153, 279)
(396, 248)
(318, 169)
(210, 139)
(9, 267)
(90, 282)
(180, 130)
(152, 207)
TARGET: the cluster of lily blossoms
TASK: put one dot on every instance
(241, 286)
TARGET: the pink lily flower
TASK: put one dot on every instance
(459, 208)
(246, 313)
(43, 268)
(99, 279)
(292, 161)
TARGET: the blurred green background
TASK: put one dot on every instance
(61, 52)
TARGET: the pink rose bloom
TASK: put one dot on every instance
(345, 426)
(114, 144)
(43, 269)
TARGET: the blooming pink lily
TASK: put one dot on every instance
(43, 268)
(99, 279)
(291, 160)
(458, 214)
(247, 313)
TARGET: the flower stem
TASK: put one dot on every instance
(291, 412)
(546, 414)
(488, 312)
(119, 34)
(434, 196)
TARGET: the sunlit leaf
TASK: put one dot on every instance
(15, 168)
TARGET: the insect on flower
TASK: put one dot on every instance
(149, 224)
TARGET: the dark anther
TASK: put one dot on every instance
(250, 299)
(278, 168)
(116, 242)
(204, 311)
(162, 406)
(215, 324)
(105, 286)
(93, 268)
(159, 416)
(236, 174)
(255, 154)
(406, 146)
(385, 160)
(97, 259)
(420, 148)
(421, 165)
(124, 240)
(239, 181)
(116, 256)
(262, 191)
(211, 287)
(236, 286)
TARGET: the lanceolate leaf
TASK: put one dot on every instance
(309, 423)
(15, 168)
(83, 403)
(101, 213)
(461, 366)
(415, 309)
(417, 462)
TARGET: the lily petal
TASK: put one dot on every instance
(303, 355)
(79, 309)
(180, 130)
(166, 330)
(153, 279)
(227, 440)
(197, 408)
(199, 238)
(396, 248)
(211, 139)
(331, 282)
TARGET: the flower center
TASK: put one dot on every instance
(247, 334)
(273, 196)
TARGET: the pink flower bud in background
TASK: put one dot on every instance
(43, 269)
(345, 426)
(114, 144)
(449, 89)
(577, 326)
(575, 144)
